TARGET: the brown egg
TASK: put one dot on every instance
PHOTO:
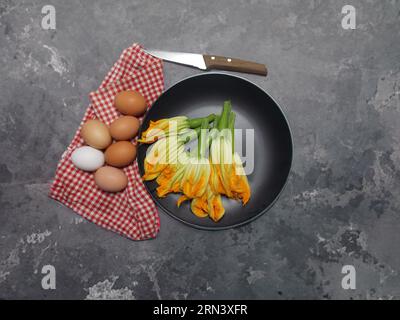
(96, 134)
(110, 179)
(131, 103)
(124, 128)
(120, 154)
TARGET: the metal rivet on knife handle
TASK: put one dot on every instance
(232, 64)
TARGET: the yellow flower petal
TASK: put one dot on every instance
(195, 180)
(215, 208)
(163, 128)
(239, 185)
(181, 199)
(199, 207)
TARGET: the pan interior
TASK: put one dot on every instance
(201, 95)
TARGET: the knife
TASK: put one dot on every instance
(207, 62)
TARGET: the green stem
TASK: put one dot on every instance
(196, 122)
(211, 117)
(226, 110)
(201, 136)
(212, 134)
(190, 135)
(231, 120)
(231, 126)
(216, 121)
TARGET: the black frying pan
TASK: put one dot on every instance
(200, 95)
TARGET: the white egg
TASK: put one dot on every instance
(87, 158)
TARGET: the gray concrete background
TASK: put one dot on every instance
(339, 89)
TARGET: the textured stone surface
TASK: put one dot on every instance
(339, 88)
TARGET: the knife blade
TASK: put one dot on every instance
(208, 62)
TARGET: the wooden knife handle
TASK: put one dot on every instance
(232, 64)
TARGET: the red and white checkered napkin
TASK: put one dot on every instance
(131, 212)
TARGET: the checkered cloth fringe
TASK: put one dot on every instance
(132, 212)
